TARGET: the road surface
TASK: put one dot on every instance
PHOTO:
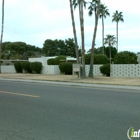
(37, 111)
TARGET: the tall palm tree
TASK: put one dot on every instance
(74, 31)
(94, 7)
(110, 40)
(103, 13)
(81, 4)
(1, 31)
(117, 16)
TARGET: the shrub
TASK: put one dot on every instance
(26, 67)
(66, 67)
(18, 67)
(105, 69)
(36, 67)
(51, 61)
(87, 58)
(125, 57)
(98, 59)
(57, 59)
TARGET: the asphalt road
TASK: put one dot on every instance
(35, 111)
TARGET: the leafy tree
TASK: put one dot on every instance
(4, 46)
(48, 47)
(113, 52)
(69, 48)
(110, 40)
(53, 47)
(103, 13)
(19, 47)
(96, 50)
(94, 6)
(59, 47)
(117, 16)
(74, 31)
(125, 57)
(19, 50)
(2, 28)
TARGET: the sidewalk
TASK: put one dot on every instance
(133, 81)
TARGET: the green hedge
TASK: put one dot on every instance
(36, 67)
(56, 61)
(51, 61)
(125, 57)
(26, 67)
(98, 59)
(18, 67)
(66, 67)
(105, 69)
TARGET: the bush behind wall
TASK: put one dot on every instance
(18, 67)
(105, 69)
(66, 67)
(26, 67)
(36, 67)
(98, 59)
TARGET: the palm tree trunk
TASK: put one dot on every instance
(117, 37)
(82, 37)
(93, 41)
(1, 32)
(110, 52)
(103, 33)
(74, 31)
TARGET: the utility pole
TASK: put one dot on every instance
(1, 31)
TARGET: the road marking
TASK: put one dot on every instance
(20, 94)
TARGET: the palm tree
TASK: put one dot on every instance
(81, 4)
(1, 31)
(74, 31)
(117, 16)
(110, 40)
(103, 13)
(94, 7)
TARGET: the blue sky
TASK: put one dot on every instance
(34, 21)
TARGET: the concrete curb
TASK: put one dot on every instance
(67, 83)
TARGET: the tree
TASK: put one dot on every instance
(49, 47)
(19, 50)
(18, 47)
(96, 50)
(110, 40)
(59, 47)
(69, 49)
(2, 28)
(103, 13)
(117, 16)
(81, 4)
(94, 6)
(113, 52)
(74, 31)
